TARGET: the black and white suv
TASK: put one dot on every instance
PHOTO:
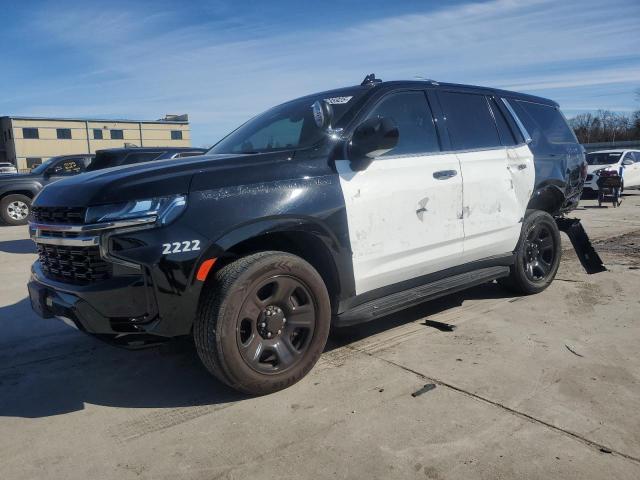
(337, 207)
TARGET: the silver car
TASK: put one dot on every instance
(6, 167)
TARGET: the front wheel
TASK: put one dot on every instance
(537, 255)
(263, 322)
(15, 209)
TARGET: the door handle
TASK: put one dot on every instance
(444, 174)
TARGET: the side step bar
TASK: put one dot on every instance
(588, 256)
(407, 298)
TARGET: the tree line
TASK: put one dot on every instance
(606, 126)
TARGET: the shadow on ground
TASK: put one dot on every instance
(18, 246)
(87, 371)
(343, 336)
(100, 374)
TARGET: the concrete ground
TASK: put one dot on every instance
(546, 386)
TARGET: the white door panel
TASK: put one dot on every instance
(632, 174)
(403, 223)
(497, 187)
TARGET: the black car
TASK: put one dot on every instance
(17, 191)
(335, 208)
(115, 157)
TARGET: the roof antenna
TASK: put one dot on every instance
(370, 80)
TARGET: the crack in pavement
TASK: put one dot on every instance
(591, 443)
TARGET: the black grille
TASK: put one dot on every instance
(64, 215)
(78, 265)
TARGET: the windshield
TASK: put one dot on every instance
(288, 126)
(603, 158)
(43, 166)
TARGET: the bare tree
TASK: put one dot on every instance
(606, 126)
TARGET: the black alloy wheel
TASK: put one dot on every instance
(263, 321)
(539, 252)
(275, 324)
(537, 255)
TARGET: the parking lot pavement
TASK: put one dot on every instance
(546, 386)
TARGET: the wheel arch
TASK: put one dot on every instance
(548, 198)
(18, 191)
(309, 240)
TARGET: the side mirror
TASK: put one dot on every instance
(372, 138)
(627, 161)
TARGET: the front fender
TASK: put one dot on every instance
(20, 186)
(314, 234)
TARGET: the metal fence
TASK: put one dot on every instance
(592, 147)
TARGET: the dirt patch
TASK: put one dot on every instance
(626, 248)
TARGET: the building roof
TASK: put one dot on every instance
(176, 119)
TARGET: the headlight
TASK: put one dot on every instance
(610, 168)
(163, 209)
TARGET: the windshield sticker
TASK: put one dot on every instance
(337, 100)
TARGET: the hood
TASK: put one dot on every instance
(14, 177)
(161, 178)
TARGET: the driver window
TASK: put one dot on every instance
(411, 113)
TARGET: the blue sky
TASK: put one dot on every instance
(222, 62)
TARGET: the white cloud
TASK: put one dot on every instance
(224, 71)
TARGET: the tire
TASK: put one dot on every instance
(539, 242)
(15, 209)
(254, 337)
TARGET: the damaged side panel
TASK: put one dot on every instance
(403, 221)
(497, 188)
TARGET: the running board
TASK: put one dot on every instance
(407, 298)
(587, 255)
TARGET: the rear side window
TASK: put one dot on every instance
(544, 123)
(506, 134)
(141, 157)
(469, 121)
(412, 115)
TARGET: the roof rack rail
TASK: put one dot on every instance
(370, 80)
(425, 79)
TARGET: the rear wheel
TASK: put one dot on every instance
(15, 209)
(537, 255)
(263, 322)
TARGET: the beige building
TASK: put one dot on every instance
(28, 141)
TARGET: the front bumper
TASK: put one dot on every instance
(121, 306)
(591, 182)
(145, 297)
